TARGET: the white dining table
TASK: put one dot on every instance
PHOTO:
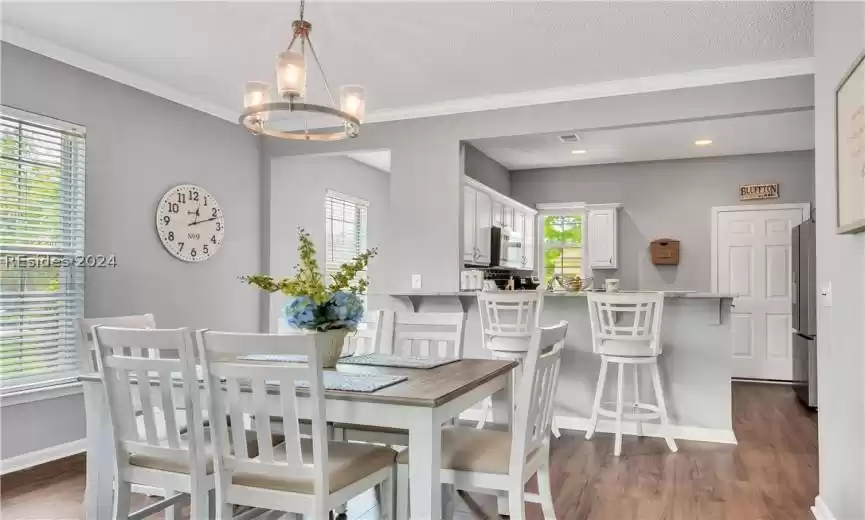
(421, 404)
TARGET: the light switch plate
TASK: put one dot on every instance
(416, 281)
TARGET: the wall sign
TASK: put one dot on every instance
(850, 149)
(758, 191)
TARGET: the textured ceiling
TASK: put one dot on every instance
(413, 53)
(765, 133)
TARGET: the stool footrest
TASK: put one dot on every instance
(647, 412)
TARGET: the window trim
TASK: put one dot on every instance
(67, 382)
(330, 193)
(577, 209)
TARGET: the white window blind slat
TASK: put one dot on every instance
(42, 214)
(345, 229)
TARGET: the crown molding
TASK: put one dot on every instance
(21, 38)
(622, 87)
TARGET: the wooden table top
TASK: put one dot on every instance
(428, 388)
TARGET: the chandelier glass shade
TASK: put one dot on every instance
(263, 107)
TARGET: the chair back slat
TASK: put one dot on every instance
(367, 338)
(435, 335)
(536, 393)
(235, 381)
(634, 318)
(510, 314)
(87, 351)
(142, 369)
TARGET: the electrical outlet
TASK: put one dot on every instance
(416, 281)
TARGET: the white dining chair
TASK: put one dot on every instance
(306, 475)
(492, 461)
(430, 335)
(508, 319)
(626, 330)
(367, 338)
(95, 406)
(149, 447)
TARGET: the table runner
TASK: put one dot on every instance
(386, 360)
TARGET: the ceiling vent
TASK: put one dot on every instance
(569, 138)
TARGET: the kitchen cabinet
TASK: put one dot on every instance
(529, 229)
(602, 245)
(477, 220)
(498, 214)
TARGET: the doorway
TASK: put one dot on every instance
(751, 258)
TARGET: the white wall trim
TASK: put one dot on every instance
(41, 393)
(685, 433)
(34, 458)
(716, 212)
(621, 87)
(21, 38)
(820, 510)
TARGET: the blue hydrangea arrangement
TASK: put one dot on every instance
(317, 306)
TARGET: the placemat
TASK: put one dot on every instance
(355, 382)
(385, 360)
(283, 358)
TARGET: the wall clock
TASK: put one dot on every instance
(190, 223)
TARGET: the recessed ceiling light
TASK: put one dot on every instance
(578, 152)
(703, 142)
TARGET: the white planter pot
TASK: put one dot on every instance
(330, 344)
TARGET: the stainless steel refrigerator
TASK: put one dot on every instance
(805, 312)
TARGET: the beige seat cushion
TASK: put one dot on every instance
(470, 449)
(347, 463)
(613, 347)
(181, 465)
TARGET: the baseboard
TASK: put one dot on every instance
(821, 511)
(35, 458)
(685, 433)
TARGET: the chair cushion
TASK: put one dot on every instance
(347, 463)
(181, 465)
(470, 449)
(613, 347)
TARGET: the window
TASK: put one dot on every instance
(345, 228)
(562, 245)
(41, 248)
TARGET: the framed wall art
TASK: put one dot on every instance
(850, 149)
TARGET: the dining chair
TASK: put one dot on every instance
(94, 400)
(508, 319)
(492, 461)
(367, 338)
(306, 475)
(431, 335)
(626, 330)
(157, 454)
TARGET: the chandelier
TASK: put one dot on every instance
(261, 111)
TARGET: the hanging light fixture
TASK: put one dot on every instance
(261, 111)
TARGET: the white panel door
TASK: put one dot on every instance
(754, 249)
(469, 215)
(529, 241)
(602, 239)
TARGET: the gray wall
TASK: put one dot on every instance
(298, 186)
(138, 146)
(839, 38)
(424, 226)
(486, 171)
(667, 199)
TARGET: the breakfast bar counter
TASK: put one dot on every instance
(696, 363)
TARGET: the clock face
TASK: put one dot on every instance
(190, 223)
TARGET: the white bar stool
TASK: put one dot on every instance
(508, 320)
(626, 330)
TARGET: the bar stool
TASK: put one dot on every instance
(508, 320)
(626, 330)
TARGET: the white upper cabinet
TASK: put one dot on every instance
(529, 253)
(483, 223)
(603, 233)
(498, 214)
(470, 251)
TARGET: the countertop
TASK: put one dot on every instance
(668, 294)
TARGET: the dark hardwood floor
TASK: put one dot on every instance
(770, 475)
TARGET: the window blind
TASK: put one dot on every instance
(345, 228)
(41, 248)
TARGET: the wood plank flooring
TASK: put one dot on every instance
(770, 475)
